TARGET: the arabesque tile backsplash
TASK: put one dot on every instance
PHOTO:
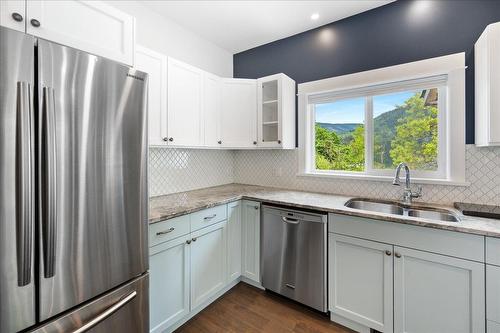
(177, 170)
(174, 170)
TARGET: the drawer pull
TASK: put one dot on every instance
(164, 232)
(290, 286)
(210, 217)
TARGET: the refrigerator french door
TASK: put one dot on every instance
(73, 190)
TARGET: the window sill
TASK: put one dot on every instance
(448, 182)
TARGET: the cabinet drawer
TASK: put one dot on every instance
(493, 251)
(207, 217)
(455, 244)
(166, 230)
(493, 293)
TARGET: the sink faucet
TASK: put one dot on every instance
(408, 195)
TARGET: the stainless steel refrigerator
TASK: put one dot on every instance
(73, 190)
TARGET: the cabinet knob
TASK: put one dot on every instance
(279, 141)
(188, 241)
(17, 17)
(387, 252)
(194, 239)
(170, 139)
(255, 207)
(219, 142)
(397, 255)
(35, 23)
(255, 142)
(165, 139)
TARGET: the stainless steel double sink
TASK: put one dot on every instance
(397, 208)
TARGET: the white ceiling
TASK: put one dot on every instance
(240, 25)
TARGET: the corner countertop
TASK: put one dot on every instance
(172, 205)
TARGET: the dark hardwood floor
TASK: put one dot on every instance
(248, 309)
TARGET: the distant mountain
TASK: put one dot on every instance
(339, 129)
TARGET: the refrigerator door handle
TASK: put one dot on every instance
(108, 312)
(24, 182)
(49, 199)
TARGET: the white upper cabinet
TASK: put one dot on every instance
(276, 111)
(239, 113)
(487, 86)
(13, 14)
(185, 98)
(155, 64)
(91, 26)
(211, 110)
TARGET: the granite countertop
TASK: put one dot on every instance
(172, 205)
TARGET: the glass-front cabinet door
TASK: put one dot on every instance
(276, 111)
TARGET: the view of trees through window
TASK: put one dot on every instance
(405, 129)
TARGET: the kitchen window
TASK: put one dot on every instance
(365, 131)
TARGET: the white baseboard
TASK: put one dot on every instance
(349, 323)
(251, 282)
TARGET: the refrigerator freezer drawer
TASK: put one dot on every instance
(123, 310)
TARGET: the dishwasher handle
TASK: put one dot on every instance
(289, 220)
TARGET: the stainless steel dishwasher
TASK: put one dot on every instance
(293, 255)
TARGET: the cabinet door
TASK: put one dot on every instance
(239, 113)
(493, 327)
(360, 281)
(169, 283)
(13, 14)
(436, 293)
(269, 106)
(493, 293)
(211, 110)
(91, 26)
(184, 104)
(234, 240)
(251, 240)
(208, 262)
(155, 64)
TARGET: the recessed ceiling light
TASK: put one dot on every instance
(315, 16)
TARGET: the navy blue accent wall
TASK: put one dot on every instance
(400, 32)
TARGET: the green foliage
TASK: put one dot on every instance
(332, 153)
(416, 141)
(406, 134)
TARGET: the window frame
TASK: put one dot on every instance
(445, 73)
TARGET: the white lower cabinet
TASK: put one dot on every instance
(251, 240)
(493, 293)
(492, 327)
(376, 281)
(234, 240)
(436, 293)
(208, 262)
(361, 283)
(169, 283)
(192, 261)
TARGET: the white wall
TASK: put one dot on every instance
(165, 36)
